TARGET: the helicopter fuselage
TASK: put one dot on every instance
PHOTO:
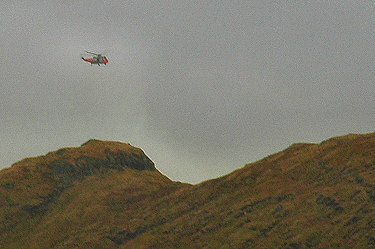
(99, 59)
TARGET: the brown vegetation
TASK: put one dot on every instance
(109, 195)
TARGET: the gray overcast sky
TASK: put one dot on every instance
(202, 86)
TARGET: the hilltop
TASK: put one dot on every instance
(110, 195)
(43, 198)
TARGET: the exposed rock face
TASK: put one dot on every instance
(86, 165)
(65, 166)
(92, 156)
(69, 164)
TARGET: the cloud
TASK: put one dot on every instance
(203, 88)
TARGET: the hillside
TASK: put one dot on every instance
(110, 195)
(76, 195)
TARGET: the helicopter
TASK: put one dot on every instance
(96, 59)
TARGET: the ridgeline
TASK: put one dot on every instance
(110, 195)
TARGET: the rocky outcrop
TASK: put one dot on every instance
(64, 167)
(85, 165)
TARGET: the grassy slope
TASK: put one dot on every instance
(72, 196)
(308, 196)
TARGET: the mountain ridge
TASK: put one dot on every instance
(306, 196)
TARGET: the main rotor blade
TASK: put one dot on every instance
(91, 53)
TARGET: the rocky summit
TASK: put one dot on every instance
(65, 166)
(31, 186)
(110, 195)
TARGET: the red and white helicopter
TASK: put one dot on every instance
(95, 59)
